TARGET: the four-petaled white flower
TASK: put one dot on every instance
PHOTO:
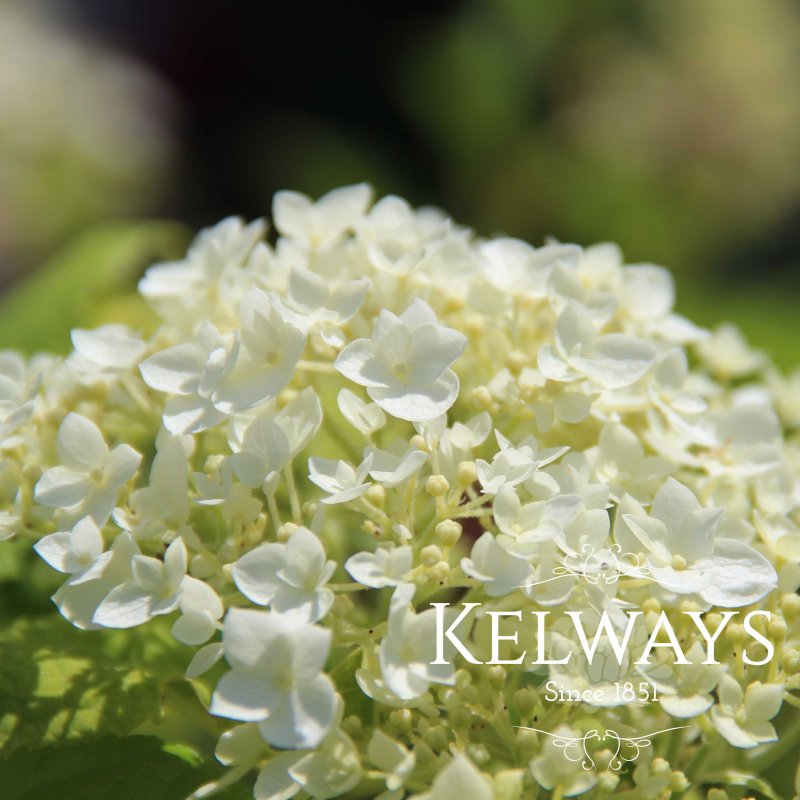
(313, 303)
(409, 647)
(89, 479)
(191, 373)
(276, 677)
(500, 572)
(322, 223)
(405, 366)
(104, 352)
(366, 418)
(339, 479)
(513, 464)
(682, 552)
(290, 578)
(73, 552)
(270, 348)
(156, 587)
(387, 566)
(742, 717)
(611, 360)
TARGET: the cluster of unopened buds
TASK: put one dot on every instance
(343, 437)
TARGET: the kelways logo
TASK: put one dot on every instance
(662, 636)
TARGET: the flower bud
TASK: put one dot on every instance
(463, 679)
(201, 567)
(790, 661)
(449, 696)
(528, 741)
(525, 701)
(678, 782)
(448, 531)
(431, 555)
(437, 738)
(439, 572)
(482, 397)
(285, 531)
(497, 676)
(790, 603)
(376, 495)
(478, 753)
(285, 396)
(459, 716)
(401, 719)
(419, 443)
(437, 486)
(309, 508)
(508, 784)
(424, 753)
(516, 360)
(660, 766)
(735, 633)
(467, 474)
(651, 606)
(777, 630)
(607, 781)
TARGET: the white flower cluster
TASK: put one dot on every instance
(381, 410)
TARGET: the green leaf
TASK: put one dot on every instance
(733, 778)
(92, 281)
(60, 684)
(133, 768)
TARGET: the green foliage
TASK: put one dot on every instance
(59, 684)
(135, 768)
(87, 284)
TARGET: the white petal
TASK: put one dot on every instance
(616, 360)
(204, 659)
(121, 466)
(194, 627)
(125, 606)
(418, 404)
(62, 488)
(80, 444)
(304, 717)
(247, 635)
(56, 550)
(274, 781)
(255, 573)
(244, 695)
(735, 575)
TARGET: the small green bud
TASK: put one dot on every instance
(607, 781)
(478, 753)
(448, 531)
(467, 474)
(376, 495)
(497, 676)
(431, 555)
(438, 739)
(401, 719)
(437, 486)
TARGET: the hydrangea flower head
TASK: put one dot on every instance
(378, 432)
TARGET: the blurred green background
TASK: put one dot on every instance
(669, 126)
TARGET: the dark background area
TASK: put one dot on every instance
(671, 127)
